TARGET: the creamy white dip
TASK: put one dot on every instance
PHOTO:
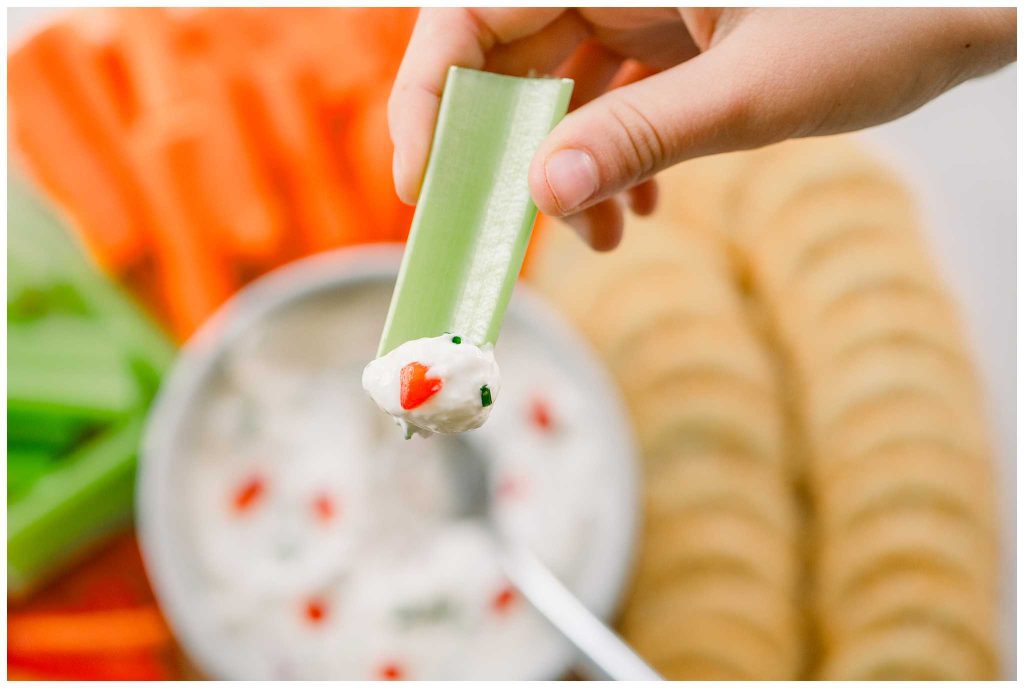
(435, 385)
(323, 545)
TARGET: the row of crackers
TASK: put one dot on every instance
(715, 594)
(889, 433)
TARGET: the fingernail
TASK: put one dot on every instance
(572, 177)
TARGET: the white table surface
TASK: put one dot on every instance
(959, 152)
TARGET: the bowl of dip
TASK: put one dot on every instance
(291, 532)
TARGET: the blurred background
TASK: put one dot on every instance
(189, 152)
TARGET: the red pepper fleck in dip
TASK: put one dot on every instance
(416, 386)
(324, 508)
(390, 671)
(540, 414)
(248, 493)
(503, 599)
(315, 610)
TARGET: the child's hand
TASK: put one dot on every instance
(712, 80)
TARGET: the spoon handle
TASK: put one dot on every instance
(605, 653)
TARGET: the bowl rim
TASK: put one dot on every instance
(346, 268)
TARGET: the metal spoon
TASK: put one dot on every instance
(604, 654)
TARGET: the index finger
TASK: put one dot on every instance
(444, 37)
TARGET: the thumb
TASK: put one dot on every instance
(699, 107)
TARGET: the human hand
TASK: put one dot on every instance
(656, 86)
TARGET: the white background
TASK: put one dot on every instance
(959, 152)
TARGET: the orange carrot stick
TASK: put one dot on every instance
(66, 130)
(325, 210)
(135, 666)
(98, 29)
(336, 44)
(193, 279)
(365, 145)
(541, 227)
(118, 630)
(172, 67)
(147, 39)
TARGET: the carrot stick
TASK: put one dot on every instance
(541, 227)
(230, 193)
(98, 29)
(193, 279)
(148, 44)
(325, 210)
(117, 630)
(225, 182)
(130, 667)
(67, 134)
(365, 145)
(337, 44)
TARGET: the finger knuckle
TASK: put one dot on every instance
(641, 146)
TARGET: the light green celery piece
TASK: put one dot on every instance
(48, 431)
(25, 466)
(84, 497)
(61, 366)
(475, 214)
(51, 268)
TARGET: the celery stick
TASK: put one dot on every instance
(52, 432)
(475, 214)
(68, 366)
(87, 495)
(25, 466)
(67, 340)
(53, 256)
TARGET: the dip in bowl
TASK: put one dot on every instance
(291, 532)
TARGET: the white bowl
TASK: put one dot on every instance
(166, 545)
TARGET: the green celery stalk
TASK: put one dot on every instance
(475, 214)
(25, 466)
(87, 495)
(83, 360)
(64, 341)
(51, 262)
(65, 376)
(52, 433)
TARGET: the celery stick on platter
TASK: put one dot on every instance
(435, 370)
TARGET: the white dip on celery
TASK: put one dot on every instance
(321, 544)
(435, 384)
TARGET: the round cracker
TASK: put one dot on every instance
(716, 538)
(786, 172)
(700, 667)
(686, 416)
(726, 344)
(625, 312)
(883, 369)
(675, 486)
(768, 610)
(811, 228)
(902, 475)
(894, 420)
(861, 264)
(889, 312)
(646, 246)
(698, 193)
(905, 653)
(901, 539)
(922, 597)
(667, 638)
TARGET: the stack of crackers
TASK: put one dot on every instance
(819, 495)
